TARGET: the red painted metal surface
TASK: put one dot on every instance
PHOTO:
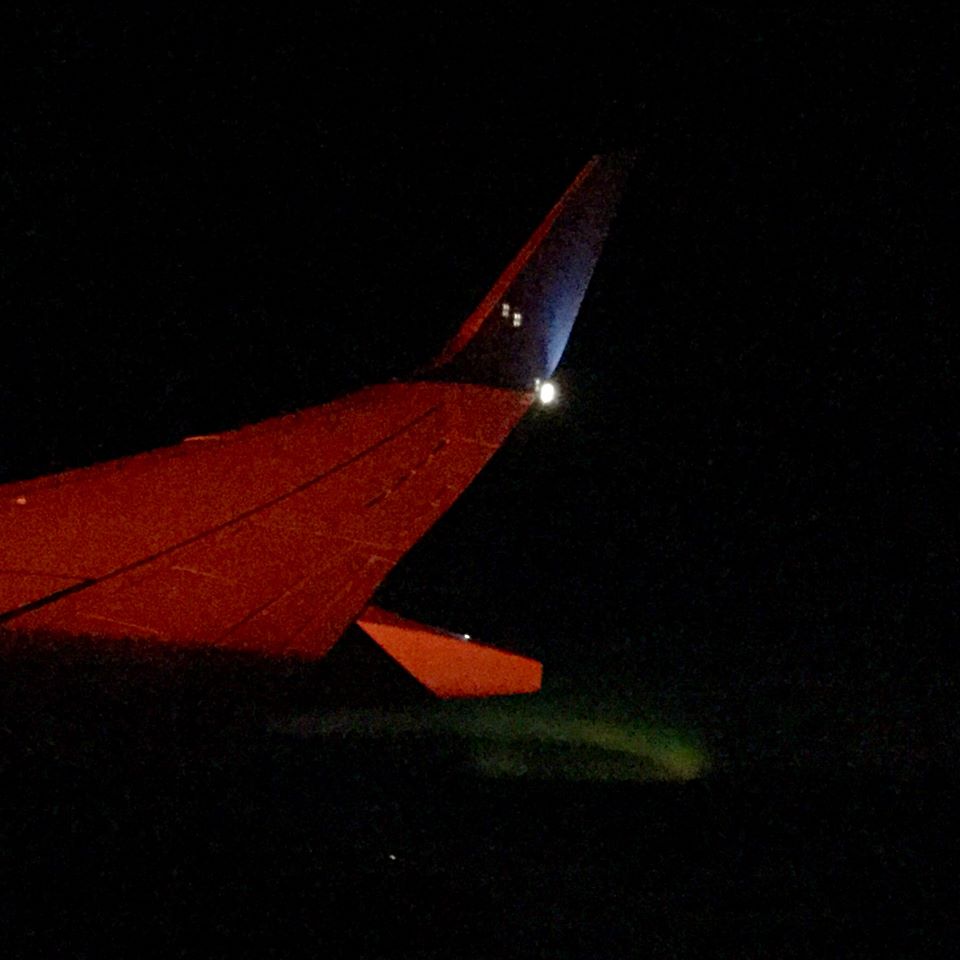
(447, 665)
(271, 538)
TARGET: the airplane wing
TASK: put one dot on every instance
(272, 538)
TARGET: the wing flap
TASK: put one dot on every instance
(449, 665)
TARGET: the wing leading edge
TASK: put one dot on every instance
(272, 538)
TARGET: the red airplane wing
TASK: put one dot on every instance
(272, 538)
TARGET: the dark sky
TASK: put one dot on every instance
(743, 502)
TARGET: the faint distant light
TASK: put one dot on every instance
(21, 500)
(547, 392)
(505, 310)
(517, 318)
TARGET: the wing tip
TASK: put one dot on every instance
(520, 328)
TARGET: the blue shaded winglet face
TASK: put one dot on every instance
(519, 331)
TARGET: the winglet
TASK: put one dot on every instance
(518, 332)
(449, 665)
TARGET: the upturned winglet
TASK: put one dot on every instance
(518, 332)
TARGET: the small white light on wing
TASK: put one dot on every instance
(517, 318)
(547, 392)
(505, 310)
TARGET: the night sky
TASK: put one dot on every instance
(742, 509)
(733, 542)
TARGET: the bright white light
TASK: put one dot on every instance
(505, 310)
(517, 318)
(547, 392)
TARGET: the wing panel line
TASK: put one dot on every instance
(43, 601)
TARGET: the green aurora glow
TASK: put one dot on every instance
(544, 736)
